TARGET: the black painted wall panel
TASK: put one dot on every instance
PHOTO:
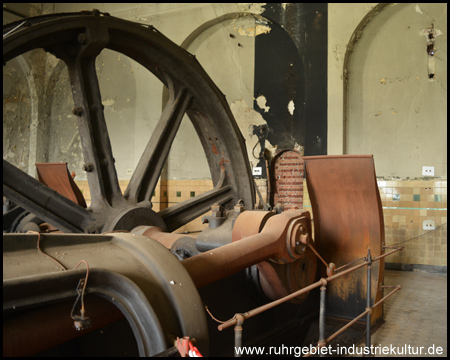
(291, 64)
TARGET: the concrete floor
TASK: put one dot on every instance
(415, 316)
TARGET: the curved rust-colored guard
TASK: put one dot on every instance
(348, 219)
(57, 177)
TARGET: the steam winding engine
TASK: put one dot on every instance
(117, 267)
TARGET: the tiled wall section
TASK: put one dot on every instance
(167, 193)
(406, 205)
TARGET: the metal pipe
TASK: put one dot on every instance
(346, 326)
(272, 304)
(318, 255)
(369, 297)
(238, 335)
(397, 288)
(345, 272)
(346, 265)
(323, 291)
(387, 254)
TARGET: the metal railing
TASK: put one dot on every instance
(239, 318)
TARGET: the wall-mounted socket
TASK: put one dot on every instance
(429, 225)
(257, 171)
(428, 170)
(129, 171)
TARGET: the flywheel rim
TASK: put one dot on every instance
(77, 39)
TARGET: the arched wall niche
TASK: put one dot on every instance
(227, 49)
(392, 109)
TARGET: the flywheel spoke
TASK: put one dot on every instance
(44, 202)
(148, 170)
(97, 151)
(188, 210)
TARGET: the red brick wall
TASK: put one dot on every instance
(287, 179)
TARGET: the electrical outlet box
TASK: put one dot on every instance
(429, 225)
(257, 171)
(129, 171)
(428, 170)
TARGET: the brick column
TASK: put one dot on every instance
(287, 179)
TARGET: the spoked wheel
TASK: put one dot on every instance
(78, 39)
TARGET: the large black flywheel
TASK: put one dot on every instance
(78, 39)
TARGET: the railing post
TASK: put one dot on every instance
(323, 292)
(238, 335)
(369, 297)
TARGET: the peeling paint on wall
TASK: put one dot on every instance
(256, 8)
(248, 119)
(108, 102)
(291, 107)
(261, 101)
(254, 30)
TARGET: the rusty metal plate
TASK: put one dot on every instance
(348, 219)
(57, 177)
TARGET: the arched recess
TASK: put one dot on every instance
(391, 108)
(224, 46)
(235, 74)
(240, 30)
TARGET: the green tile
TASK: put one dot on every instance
(165, 193)
(192, 193)
(396, 197)
(178, 193)
(438, 198)
(416, 197)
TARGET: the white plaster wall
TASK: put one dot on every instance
(395, 112)
(342, 21)
(16, 115)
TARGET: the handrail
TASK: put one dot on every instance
(346, 326)
(274, 303)
(239, 318)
